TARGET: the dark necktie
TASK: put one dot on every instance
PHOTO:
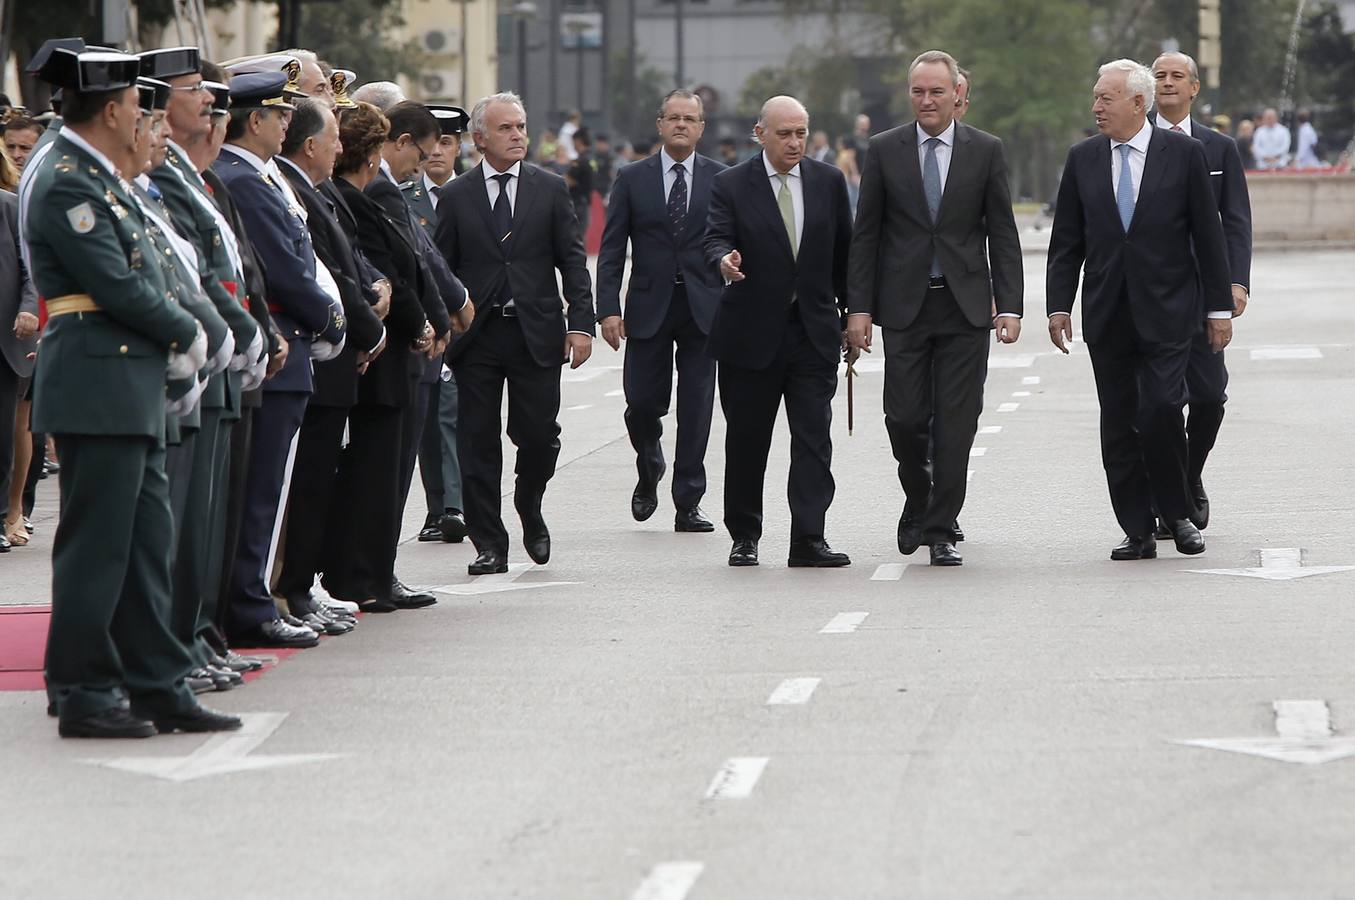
(503, 210)
(677, 200)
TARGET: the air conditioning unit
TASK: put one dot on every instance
(440, 85)
(442, 40)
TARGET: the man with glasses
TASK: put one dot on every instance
(659, 206)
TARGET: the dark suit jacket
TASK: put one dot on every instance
(1228, 178)
(751, 315)
(545, 238)
(435, 306)
(638, 212)
(255, 289)
(336, 380)
(1172, 262)
(382, 241)
(16, 290)
(894, 238)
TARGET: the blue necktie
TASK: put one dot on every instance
(931, 187)
(1124, 189)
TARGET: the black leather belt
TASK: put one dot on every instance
(935, 282)
(508, 312)
(677, 279)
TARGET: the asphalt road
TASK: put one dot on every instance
(600, 727)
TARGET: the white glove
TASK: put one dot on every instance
(185, 403)
(223, 356)
(323, 351)
(250, 355)
(182, 365)
(445, 375)
(254, 375)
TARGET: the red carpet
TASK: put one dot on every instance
(23, 640)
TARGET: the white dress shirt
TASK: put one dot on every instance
(1270, 140)
(1138, 154)
(1307, 150)
(432, 188)
(1183, 125)
(943, 149)
(670, 177)
(492, 186)
(797, 194)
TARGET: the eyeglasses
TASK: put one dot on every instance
(200, 87)
(684, 120)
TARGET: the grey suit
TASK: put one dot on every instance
(16, 295)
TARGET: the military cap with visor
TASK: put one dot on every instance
(170, 62)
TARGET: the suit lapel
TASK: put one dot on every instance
(912, 175)
(1155, 163)
(764, 201)
(1102, 191)
(698, 198)
(959, 158)
(522, 203)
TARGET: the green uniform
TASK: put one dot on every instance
(100, 388)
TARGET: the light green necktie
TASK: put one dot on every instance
(787, 207)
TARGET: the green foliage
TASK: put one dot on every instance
(352, 34)
(826, 82)
(634, 104)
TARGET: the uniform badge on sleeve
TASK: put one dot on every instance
(81, 218)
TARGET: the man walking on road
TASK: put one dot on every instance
(659, 205)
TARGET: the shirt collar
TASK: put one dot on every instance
(1184, 124)
(1139, 141)
(515, 170)
(249, 157)
(772, 173)
(429, 185)
(386, 169)
(298, 169)
(946, 137)
(689, 164)
(70, 135)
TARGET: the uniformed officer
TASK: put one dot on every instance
(439, 467)
(304, 312)
(115, 335)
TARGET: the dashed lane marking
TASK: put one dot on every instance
(793, 691)
(1020, 393)
(619, 392)
(889, 572)
(1286, 353)
(844, 623)
(736, 778)
(669, 881)
(1031, 379)
(1008, 407)
(977, 451)
(991, 429)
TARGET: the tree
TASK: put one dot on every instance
(634, 105)
(352, 34)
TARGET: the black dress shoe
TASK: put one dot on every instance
(944, 554)
(814, 553)
(743, 553)
(489, 562)
(197, 719)
(644, 501)
(452, 526)
(692, 519)
(430, 531)
(1187, 537)
(1135, 548)
(4, 544)
(376, 605)
(1200, 517)
(276, 633)
(110, 723)
(535, 535)
(406, 598)
(956, 533)
(910, 534)
(1163, 533)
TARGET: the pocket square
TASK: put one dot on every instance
(1219, 172)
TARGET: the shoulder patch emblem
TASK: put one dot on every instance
(81, 218)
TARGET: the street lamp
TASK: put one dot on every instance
(577, 27)
(524, 11)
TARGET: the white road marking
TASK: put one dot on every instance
(669, 881)
(1303, 734)
(619, 392)
(991, 429)
(493, 584)
(579, 407)
(793, 691)
(977, 451)
(1008, 407)
(1031, 379)
(1286, 353)
(844, 623)
(969, 476)
(1020, 361)
(1277, 564)
(1020, 393)
(888, 572)
(736, 778)
(221, 754)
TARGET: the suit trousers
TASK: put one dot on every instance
(439, 468)
(223, 481)
(1206, 393)
(242, 437)
(934, 374)
(179, 471)
(421, 409)
(499, 355)
(110, 580)
(359, 553)
(1141, 386)
(9, 404)
(750, 399)
(191, 560)
(648, 381)
(275, 425)
(314, 477)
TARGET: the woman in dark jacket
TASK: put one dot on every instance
(18, 341)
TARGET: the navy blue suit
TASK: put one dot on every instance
(302, 310)
(670, 303)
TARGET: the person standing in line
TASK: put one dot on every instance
(936, 262)
(659, 207)
(1178, 83)
(1136, 215)
(1305, 157)
(1270, 142)
(779, 231)
(508, 228)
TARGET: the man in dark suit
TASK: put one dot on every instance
(779, 231)
(1178, 83)
(934, 210)
(659, 206)
(505, 228)
(1135, 208)
(307, 160)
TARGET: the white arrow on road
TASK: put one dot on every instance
(493, 584)
(221, 754)
(1277, 564)
(1302, 735)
